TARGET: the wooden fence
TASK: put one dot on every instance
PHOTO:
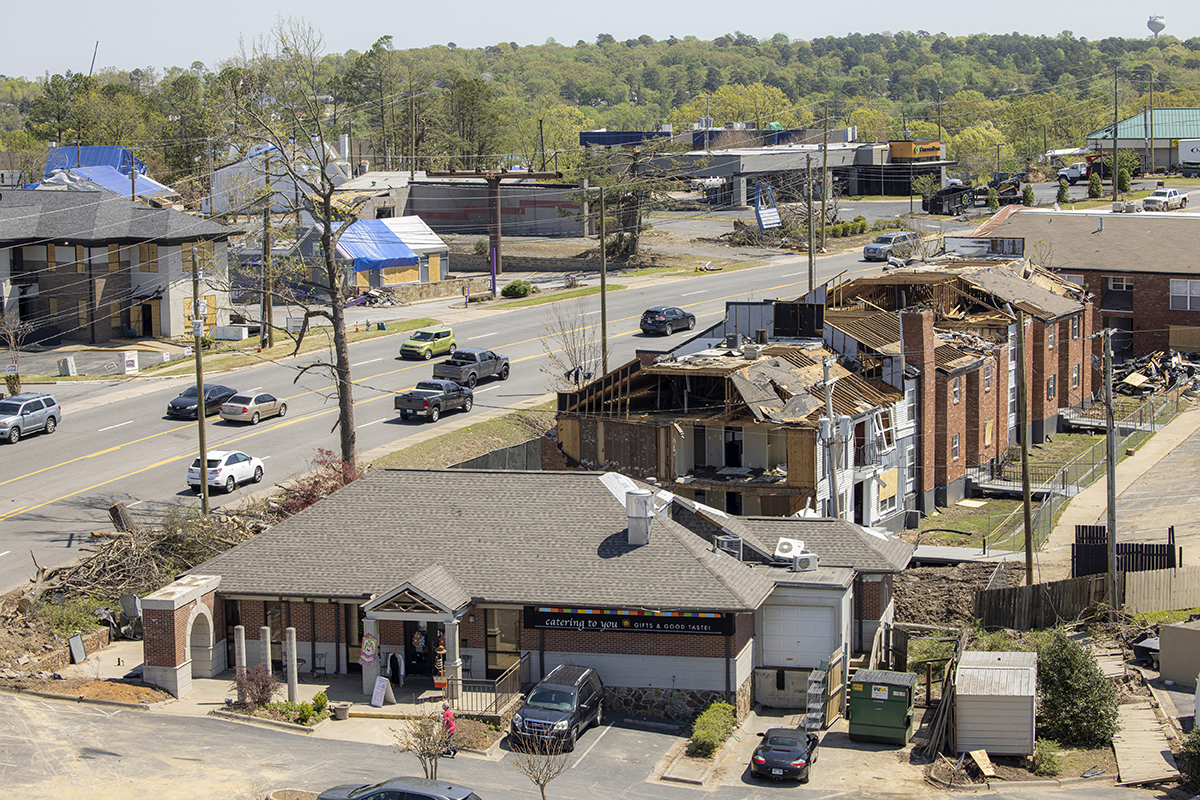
(1042, 605)
(1089, 554)
(1162, 590)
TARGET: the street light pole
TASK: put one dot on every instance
(197, 335)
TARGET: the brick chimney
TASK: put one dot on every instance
(917, 342)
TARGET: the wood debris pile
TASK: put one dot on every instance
(141, 560)
(1156, 372)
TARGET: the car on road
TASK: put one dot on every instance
(785, 753)
(666, 320)
(1165, 200)
(402, 788)
(226, 470)
(567, 702)
(900, 244)
(425, 343)
(185, 405)
(27, 413)
(252, 408)
(430, 399)
(469, 365)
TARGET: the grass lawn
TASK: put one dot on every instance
(1062, 448)
(998, 515)
(474, 440)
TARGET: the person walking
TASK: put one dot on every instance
(448, 721)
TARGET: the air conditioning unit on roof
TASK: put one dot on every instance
(805, 562)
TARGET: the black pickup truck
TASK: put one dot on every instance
(430, 399)
(468, 365)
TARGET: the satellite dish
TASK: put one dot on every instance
(1156, 25)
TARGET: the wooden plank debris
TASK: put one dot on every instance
(985, 763)
(1142, 749)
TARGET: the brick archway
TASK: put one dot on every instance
(180, 640)
(207, 659)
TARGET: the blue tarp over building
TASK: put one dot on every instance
(370, 244)
(113, 156)
(117, 183)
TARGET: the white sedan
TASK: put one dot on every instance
(226, 469)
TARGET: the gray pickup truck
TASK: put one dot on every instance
(430, 399)
(470, 365)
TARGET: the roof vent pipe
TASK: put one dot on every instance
(639, 509)
(760, 336)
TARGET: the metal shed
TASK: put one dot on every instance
(995, 702)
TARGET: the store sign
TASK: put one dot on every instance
(629, 620)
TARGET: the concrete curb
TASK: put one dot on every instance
(94, 701)
(989, 786)
(290, 727)
(706, 776)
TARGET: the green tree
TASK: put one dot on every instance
(974, 148)
(375, 80)
(1123, 180)
(1078, 703)
(188, 123)
(1027, 198)
(1095, 189)
(993, 199)
(472, 120)
(1064, 194)
(55, 116)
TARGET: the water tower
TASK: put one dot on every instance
(1156, 25)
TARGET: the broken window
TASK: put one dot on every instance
(1050, 387)
(956, 386)
(987, 377)
(885, 434)
(1075, 376)
(954, 448)
(910, 469)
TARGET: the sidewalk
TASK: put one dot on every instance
(1089, 507)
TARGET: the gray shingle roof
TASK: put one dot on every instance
(1005, 284)
(504, 537)
(836, 542)
(29, 215)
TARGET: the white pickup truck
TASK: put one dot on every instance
(1074, 173)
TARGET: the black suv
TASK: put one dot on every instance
(666, 320)
(566, 703)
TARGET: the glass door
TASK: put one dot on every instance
(503, 640)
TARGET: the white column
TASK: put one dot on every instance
(290, 665)
(371, 671)
(239, 654)
(453, 665)
(264, 647)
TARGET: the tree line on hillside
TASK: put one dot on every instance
(444, 106)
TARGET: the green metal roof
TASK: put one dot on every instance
(1169, 123)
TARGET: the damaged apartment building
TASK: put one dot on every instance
(742, 425)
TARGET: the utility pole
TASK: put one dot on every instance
(1110, 454)
(812, 268)
(132, 179)
(1023, 432)
(831, 443)
(1114, 164)
(939, 109)
(542, 142)
(1152, 164)
(824, 172)
(412, 134)
(603, 291)
(707, 119)
(267, 336)
(201, 415)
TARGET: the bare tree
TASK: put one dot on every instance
(929, 242)
(13, 333)
(539, 760)
(574, 348)
(426, 738)
(276, 97)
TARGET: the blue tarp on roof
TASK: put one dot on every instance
(113, 156)
(117, 183)
(372, 245)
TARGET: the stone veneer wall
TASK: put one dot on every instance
(679, 704)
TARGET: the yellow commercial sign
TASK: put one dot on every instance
(923, 149)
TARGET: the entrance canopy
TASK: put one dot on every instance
(371, 244)
(430, 595)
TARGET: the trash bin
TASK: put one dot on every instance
(381, 326)
(66, 367)
(881, 706)
(340, 710)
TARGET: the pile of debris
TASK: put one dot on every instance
(1157, 372)
(381, 298)
(791, 234)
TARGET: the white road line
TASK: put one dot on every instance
(138, 503)
(491, 388)
(6, 552)
(794, 274)
(372, 361)
(589, 313)
(264, 458)
(250, 391)
(376, 422)
(689, 294)
(110, 427)
(607, 728)
(482, 336)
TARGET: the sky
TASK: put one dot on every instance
(58, 36)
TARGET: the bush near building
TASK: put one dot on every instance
(1078, 704)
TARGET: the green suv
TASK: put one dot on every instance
(425, 343)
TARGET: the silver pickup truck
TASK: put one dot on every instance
(470, 365)
(430, 399)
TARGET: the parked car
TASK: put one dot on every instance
(666, 320)
(400, 789)
(470, 365)
(900, 244)
(430, 399)
(252, 408)
(566, 703)
(226, 470)
(185, 404)
(26, 413)
(1165, 200)
(785, 753)
(429, 342)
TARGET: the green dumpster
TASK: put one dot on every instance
(881, 706)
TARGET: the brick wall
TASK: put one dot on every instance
(165, 636)
(950, 420)
(983, 388)
(1045, 364)
(1152, 314)
(918, 344)
(875, 596)
(253, 617)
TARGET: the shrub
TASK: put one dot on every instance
(517, 288)
(1046, 760)
(860, 218)
(993, 199)
(1123, 180)
(862, 225)
(480, 247)
(305, 713)
(1027, 198)
(1064, 194)
(1079, 704)
(1188, 760)
(71, 615)
(711, 729)
(1094, 187)
(257, 685)
(320, 702)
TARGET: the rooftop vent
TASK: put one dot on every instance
(639, 509)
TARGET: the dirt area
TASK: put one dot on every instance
(16, 643)
(473, 734)
(945, 596)
(1075, 762)
(120, 691)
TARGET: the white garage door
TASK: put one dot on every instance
(797, 636)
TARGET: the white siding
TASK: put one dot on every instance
(999, 725)
(754, 447)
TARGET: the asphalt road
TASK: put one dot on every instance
(115, 443)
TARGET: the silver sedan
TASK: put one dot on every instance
(247, 408)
